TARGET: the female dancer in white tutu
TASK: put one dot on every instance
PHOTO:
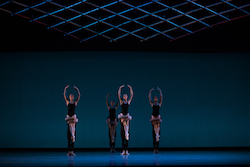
(125, 118)
(71, 119)
(155, 118)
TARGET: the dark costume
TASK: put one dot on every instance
(124, 112)
(112, 118)
(155, 113)
(71, 112)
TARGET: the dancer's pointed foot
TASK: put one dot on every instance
(71, 153)
(123, 152)
(127, 153)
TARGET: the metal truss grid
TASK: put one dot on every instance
(117, 19)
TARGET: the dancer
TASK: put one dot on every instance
(112, 122)
(71, 119)
(156, 118)
(125, 118)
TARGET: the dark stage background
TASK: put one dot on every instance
(205, 104)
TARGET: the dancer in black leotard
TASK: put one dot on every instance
(112, 122)
(125, 118)
(71, 119)
(156, 118)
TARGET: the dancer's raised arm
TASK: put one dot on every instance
(107, 102)
(119, 94)
(77, 100)
(131, 94)
(64, 94)
(149, 97)
(161, 96)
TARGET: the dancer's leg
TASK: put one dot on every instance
(69, 138)
(123, 139)
(126, 129)
(72, 131)
(71, 121)
(157, 139)
(112, 129)
(113, 144)
(158, 125)
(126, 136)
(70, 143)
(110, 137)
(158, 129)
(123, 147)
(155, 128)
(154, 138)
(112, 133)
(126, 147)
(157, 146)
(72, 128)
(108, 121)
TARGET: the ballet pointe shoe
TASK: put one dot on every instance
(126, 153)
(71, 153)
(112, 150)
(156, 151)
(123, 152)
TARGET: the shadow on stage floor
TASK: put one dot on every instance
(138, 157)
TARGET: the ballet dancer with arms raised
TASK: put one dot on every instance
(112, 122)
(155, 118)
(71, 119)
(125, 117)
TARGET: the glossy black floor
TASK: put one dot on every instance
(174, 157)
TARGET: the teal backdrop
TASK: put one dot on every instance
(206, 99)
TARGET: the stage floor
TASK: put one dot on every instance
(137, 158)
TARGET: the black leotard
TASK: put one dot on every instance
(156, 108)
(112, 114)
(71, 109)
(125, 108)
